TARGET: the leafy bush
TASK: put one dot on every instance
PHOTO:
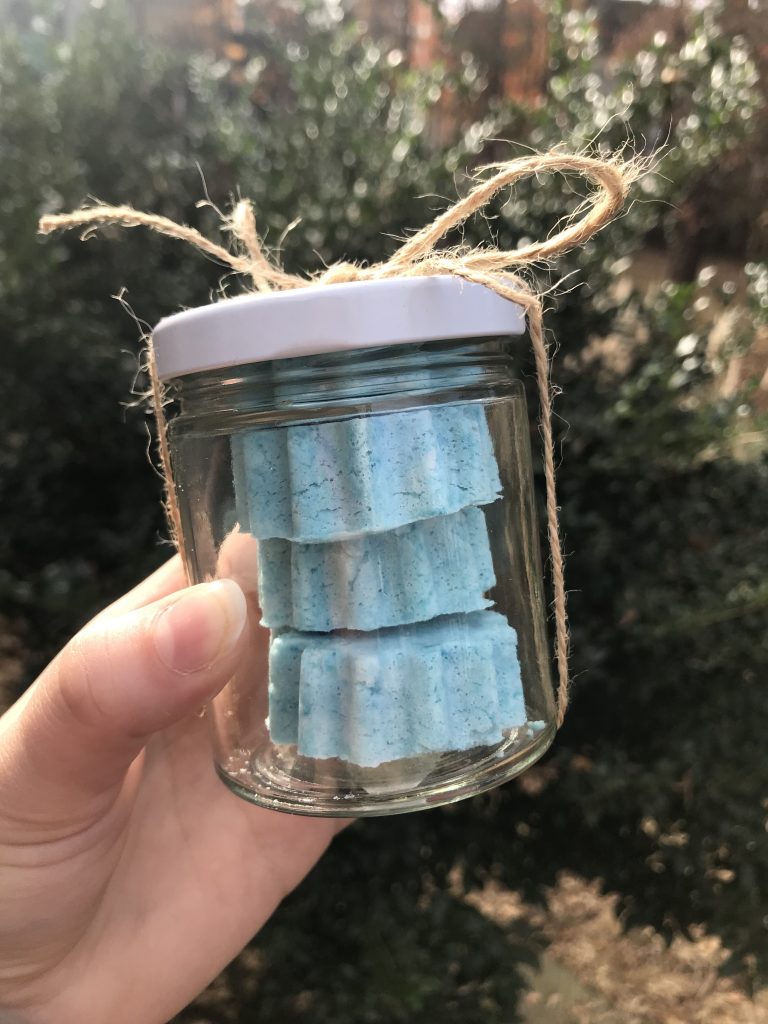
(108, 117)
(656, 782)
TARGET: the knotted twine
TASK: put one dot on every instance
(493, 268)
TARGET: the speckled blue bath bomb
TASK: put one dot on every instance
(334, 479)
(449, 684)
(428, 568)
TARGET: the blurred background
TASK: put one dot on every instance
(363, 119)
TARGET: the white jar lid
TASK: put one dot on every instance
(330, 318)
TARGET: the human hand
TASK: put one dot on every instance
(129, 875)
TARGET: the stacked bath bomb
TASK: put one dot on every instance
(374, 562)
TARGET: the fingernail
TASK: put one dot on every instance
(201, 627)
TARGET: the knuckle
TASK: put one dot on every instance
(81, 675)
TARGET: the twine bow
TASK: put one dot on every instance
(417, 257)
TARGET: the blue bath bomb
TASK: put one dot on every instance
(428, 568)
(334, 479)
(449, 684)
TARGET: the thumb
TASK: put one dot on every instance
(66, 745)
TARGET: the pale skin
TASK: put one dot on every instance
(129, 874)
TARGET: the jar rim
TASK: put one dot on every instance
(330, 318)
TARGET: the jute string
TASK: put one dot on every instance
(419, 256)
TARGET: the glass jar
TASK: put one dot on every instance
(357, 458)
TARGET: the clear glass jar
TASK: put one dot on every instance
(376, 506)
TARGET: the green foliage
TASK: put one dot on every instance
(659, 774)
(697, 101)
(109, 117)
(370, 938)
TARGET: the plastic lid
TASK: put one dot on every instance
(330, 318)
